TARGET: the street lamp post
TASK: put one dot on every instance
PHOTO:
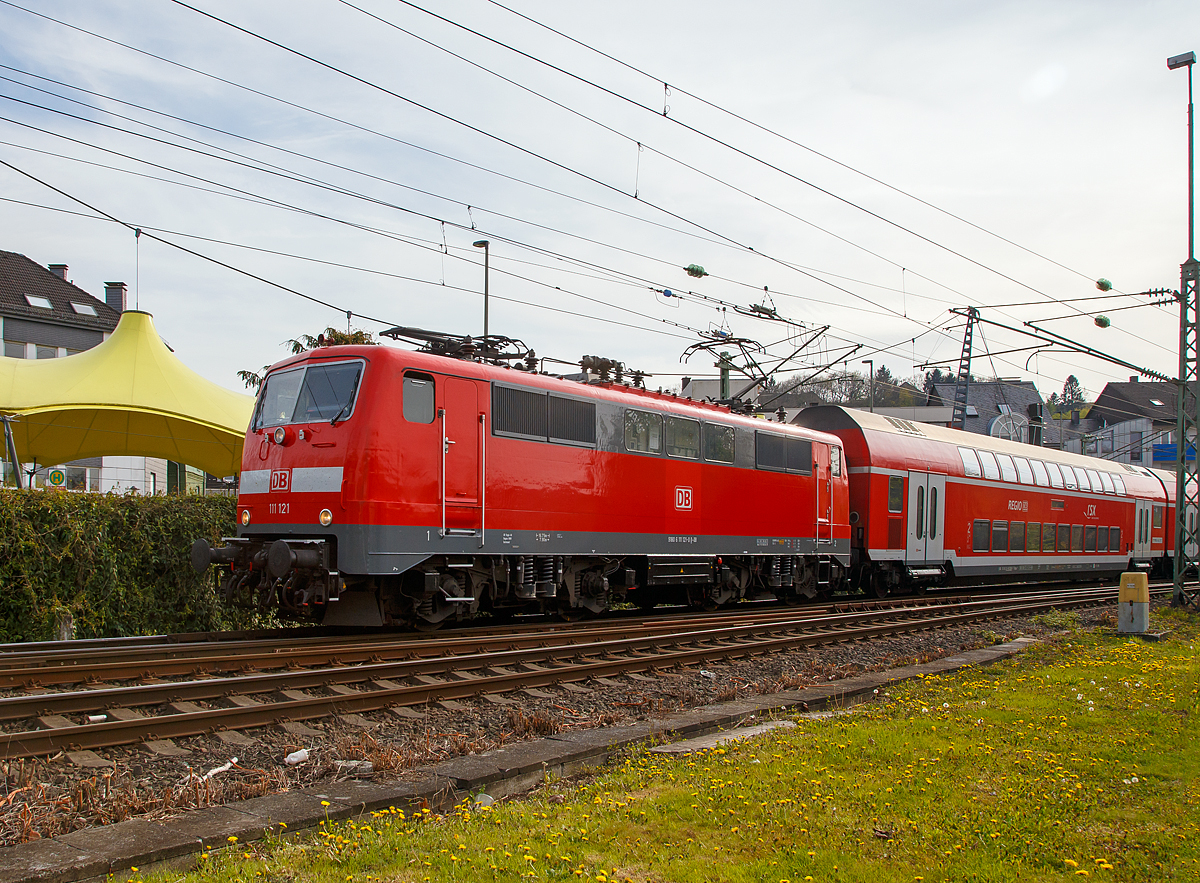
(1187, 487)
(870, 363)
(485, 245)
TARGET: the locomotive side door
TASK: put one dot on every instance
(926, 513)
(824, 501)
(462, 453)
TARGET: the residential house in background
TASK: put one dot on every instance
(44, 316)
(1000, 408)
(1135, 423)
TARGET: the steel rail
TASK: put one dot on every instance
(650, 654)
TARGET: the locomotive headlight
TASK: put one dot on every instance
(326, 518)
(245, 517)
(280, 435)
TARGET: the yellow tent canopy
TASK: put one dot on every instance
(128, 396)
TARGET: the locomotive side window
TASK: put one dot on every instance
(782, 454)
(1047, 537)
(835, 468)
(417, 398)
(1119, 484)
(1040, 475)
(1033, 537)
(643, 432)
(970, 463)
(572, 421)
(718, 443)
(999, 536)
(1008, 470)
(1114, 539)
(1089, 539)
(981, 533)
(895, 494)
(1016, 536)
(1107, 482)
(990, 469)
(683, 438)
(1056, 477)
(1102, 539)
(1024, 473)
(1064, 538)
(1076, 537)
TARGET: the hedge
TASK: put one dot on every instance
(118, 565)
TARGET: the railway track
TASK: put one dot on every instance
(67, 698)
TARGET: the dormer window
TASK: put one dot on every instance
(36, 301)
(1157, 402)
(83, 309)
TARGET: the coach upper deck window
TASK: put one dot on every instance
(970, 463)
(718, 443)
(1085, 483)
(1008, 469)
(1040, 475)
(1119, 484)
(1056, 476)
(418, 398)
(895, 494)
(1106, 480)
(683, 438)
(643, 432)
(990, 468)
(1024, 471)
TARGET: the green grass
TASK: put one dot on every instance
(1074, 759)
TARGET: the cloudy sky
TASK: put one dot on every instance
(864, 166)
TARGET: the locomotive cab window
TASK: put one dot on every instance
(718, 443)
(643, 432)
(319, 392)
(417, 398)
(895, 494)
(683, 438)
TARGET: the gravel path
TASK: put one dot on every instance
(43, 798)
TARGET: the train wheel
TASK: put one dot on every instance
(701, 598)
(879, 586)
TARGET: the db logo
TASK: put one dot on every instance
(281, 480)
(683, 498)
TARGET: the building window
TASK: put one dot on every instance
(1135, 446)
(35, 300)
(47, 352)
(14, 350)
(83, 309)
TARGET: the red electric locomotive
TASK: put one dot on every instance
(931, 506)
(381, 486)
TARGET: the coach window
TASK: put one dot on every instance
(1064, 538)
(1076, 537)
(1114, 539)
(1097, 485)
(683, 438)
(990, 469)
(418, 398)
(1033, 537)
(1040, 475)
(933, 513)
(920, 513)
(970, 463)
(1024, 473)
(1056, 477)
(1016, 536)
(1159, 511)
(1102, 539)
(1107, 482)
(1089, 538)
(1119, 484)
(1008, 469)
(895, 494)
(981, 532)
(1070, 482)
(999, 536)
(718, 443)
(1048, 532)
(643, 432)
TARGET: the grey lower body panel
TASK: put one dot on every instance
(382, 550)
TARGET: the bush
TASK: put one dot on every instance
(118, 565)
